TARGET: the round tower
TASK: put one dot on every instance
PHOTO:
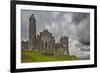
(32, 32)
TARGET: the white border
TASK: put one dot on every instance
(20, 65)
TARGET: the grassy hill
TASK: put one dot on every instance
(35, 56)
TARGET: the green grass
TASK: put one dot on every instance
(35, 56)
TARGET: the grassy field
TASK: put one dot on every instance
(35, 56)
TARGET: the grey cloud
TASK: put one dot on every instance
(78, 17)
(84, 33)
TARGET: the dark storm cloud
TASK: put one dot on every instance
(78, 17)
(83, 32)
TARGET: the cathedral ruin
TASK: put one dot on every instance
(45, 41)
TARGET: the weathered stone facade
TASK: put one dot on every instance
(64, 45)
(45, 42)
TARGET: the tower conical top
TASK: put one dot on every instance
(32, 14)
(32, 17)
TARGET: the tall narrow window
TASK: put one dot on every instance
(46, 44)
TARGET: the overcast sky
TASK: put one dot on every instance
(72, 24)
